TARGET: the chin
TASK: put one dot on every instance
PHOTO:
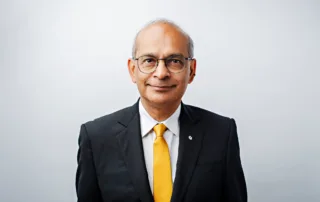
(159, 101)
(162, 99)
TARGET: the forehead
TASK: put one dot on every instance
(161, 40)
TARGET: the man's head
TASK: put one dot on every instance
(162, 82)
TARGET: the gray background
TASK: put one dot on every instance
(63, 63)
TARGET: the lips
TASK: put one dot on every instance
(161, 87)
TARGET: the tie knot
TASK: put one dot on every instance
(159, 129)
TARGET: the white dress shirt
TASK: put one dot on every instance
(171, 136)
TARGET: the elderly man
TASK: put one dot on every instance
(160, 149)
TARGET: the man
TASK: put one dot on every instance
(160, 149)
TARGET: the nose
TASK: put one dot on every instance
(162, 71)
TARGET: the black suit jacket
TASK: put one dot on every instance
(111, 165)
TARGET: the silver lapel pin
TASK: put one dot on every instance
(190, 137)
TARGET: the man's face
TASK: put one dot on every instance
(162, 86)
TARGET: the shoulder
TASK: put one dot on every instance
(221, 127)
(210, 119)
(108, 124)
(111, 117)
(203, 113)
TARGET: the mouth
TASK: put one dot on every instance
(162, 87)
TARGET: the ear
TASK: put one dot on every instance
(131, 69)
(193, 68)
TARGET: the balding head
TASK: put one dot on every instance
(164, 24)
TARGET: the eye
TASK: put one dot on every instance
(175, 61)
(149, 60)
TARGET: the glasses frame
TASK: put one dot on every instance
(165, 63)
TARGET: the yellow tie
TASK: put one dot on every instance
(162, 180)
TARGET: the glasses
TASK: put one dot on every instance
(175, 64)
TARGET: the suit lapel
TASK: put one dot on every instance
(190, 142)
(130, 142)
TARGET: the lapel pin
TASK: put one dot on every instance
(190, 137)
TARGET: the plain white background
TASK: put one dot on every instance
(63, 63)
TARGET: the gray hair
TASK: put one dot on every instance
(165, 21)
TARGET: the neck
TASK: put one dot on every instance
(160, 112)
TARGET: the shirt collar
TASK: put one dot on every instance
(147, 122)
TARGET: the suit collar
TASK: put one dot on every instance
(190, 143)
(129, 114)
(130, 144)
(188, 114)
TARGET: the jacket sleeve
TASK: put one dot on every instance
(87, 187)
(235, 189)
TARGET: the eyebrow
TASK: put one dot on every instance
(169, 56)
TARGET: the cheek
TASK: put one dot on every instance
(141, 80)
(183, 83)
(185, 80)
